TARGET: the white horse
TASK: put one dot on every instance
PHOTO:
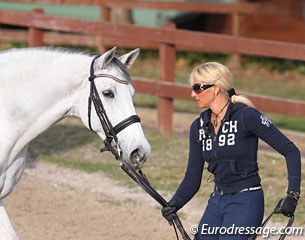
(40, 86)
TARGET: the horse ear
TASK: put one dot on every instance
(106, 57)
(129, 58)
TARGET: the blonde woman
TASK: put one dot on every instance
(225, 137)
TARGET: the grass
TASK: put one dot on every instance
(77, 148)
(273, 173)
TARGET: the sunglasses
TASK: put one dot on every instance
(199, 87)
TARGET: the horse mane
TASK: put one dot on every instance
(49, 49)
(68, 51)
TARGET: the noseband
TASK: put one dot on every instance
(111, 140)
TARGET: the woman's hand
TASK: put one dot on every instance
(169, 213)
(287, 205)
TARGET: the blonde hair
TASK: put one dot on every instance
(218, 74)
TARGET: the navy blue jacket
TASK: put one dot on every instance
(231, 155)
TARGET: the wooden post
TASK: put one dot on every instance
(106, 15)
(167, 73)
(35, 35)
(236, 59)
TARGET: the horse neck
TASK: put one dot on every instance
(70, 80)
(46, 88)
(66, 87)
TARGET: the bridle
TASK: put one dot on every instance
(112, 145)
(111, 140)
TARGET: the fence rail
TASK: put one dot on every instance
(187, 39)
(218, 8)
(235, 10)
(167, 38)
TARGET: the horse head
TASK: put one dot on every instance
(110, 112)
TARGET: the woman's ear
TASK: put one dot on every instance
(217, 90)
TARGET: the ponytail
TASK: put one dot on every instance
(239, 98)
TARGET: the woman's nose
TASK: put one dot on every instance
(193, 94)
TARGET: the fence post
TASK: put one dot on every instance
(167, 55)
(105, 16)
(35, 35)
(236, 59)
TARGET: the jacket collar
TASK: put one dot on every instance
(205, 118)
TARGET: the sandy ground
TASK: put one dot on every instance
(58, 203)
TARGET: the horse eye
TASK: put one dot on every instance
(108, 94)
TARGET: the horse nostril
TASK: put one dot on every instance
(135, 156)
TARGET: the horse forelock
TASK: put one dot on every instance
(122, 69)
(115, 68)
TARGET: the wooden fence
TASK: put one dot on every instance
(241, 6)
(168, 39)
(236, 10)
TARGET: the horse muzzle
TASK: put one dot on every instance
(137, 158)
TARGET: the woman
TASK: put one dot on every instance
(225, 137)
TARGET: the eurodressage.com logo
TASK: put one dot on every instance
(265, 232)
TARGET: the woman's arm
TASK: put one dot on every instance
(192, 179)
(258, 124)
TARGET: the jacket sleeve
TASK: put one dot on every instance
(192, 179)
(259, 125)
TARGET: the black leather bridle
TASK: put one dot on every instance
(112, 145)
(111, 132)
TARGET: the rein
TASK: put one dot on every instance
(283, 235)
(111, 144)
(142, 181)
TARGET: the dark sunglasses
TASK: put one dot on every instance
(199, 87)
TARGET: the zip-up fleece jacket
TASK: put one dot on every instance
(231, 154)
